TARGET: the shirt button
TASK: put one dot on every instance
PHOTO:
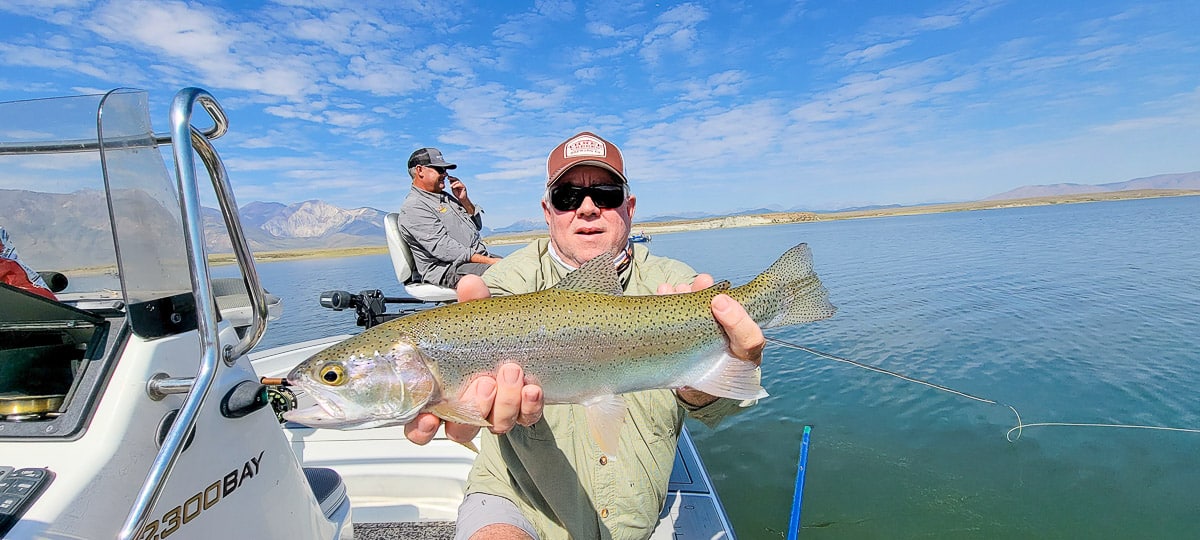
(603, 512)
(604, 460)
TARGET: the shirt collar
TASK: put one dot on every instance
(439, 195)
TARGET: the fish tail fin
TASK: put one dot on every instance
(789, 292)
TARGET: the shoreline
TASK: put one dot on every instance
(753, 220)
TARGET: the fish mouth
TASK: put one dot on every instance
(328, 415)
(314, 416)
(325, 412)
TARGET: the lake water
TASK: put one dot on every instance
(1084, 313)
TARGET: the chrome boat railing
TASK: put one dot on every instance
(187, 141)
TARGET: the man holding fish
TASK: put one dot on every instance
(575, 323)
(589, 211)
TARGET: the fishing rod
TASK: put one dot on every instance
(798, 493)
(1018, 428)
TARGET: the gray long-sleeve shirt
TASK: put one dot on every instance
(440, 233)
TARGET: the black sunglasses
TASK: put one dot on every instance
(567, 198)
(436, 169)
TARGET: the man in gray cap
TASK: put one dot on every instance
(441, 229)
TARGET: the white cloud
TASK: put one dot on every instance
(601, 29)
(380, 75)
(586, 56)
(348, 120)
(556, 96)
(207, 40)
(555, 10)
(874, 52)
(725, 83)
(589, 74)
(293, 111)
(482, 111)
(18, 55)
(522, 29)
(174, 28)
(942, 18)
(674, 31)
(963, 83)
(710, 141)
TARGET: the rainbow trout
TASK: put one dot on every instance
(581, 340)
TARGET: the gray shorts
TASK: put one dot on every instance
(479, 510)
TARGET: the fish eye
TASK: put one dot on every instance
(333, 374)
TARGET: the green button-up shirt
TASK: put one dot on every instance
(554, 471)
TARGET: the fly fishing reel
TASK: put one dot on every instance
(282, 399)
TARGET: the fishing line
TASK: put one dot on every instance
(1072, 424)
(1019, 428)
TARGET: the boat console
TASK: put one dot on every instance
(128, 404)
(19, 488)
(51, 365)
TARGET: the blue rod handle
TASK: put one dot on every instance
(797, 495)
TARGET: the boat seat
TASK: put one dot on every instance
(233, 302)
(327, 487)
(402, 262)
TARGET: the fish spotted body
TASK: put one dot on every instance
(582, 341)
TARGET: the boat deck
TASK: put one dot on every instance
(691, 509)
(417, 530)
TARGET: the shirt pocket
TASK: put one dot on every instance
(653, 415)
(645, 477)
(557, 423)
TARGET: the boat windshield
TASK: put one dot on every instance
(85, 192)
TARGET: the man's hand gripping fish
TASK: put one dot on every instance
(582, 341)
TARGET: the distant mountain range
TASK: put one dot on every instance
(272, 226)
(306, 225)
(519, 226)
(1162, 181)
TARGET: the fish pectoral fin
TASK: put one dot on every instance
(606, 415)
(461, 412)
(733, 378)
(469, 446)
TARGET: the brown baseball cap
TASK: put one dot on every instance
(585, 148)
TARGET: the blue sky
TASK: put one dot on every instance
(718, 106)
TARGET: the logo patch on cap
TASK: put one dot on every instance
(585, 146)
